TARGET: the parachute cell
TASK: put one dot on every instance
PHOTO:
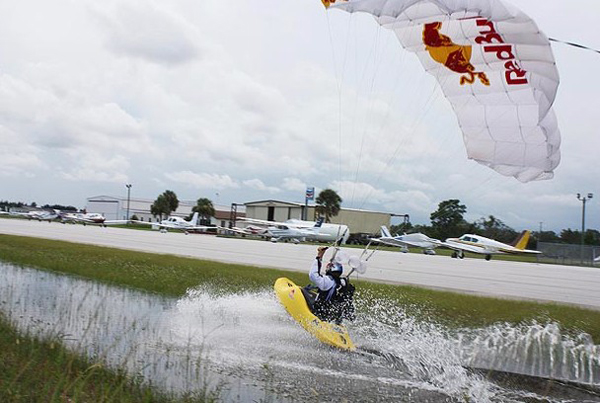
(495, 67)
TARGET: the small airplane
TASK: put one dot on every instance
(417, 240)
(177, 223)
(486, 246)
(327, 232)
(252, 230)
(295, 234)
(40, 215)
(87, 218)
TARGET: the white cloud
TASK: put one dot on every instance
(203, 180)
(149, 31)
(294, 184)
(158, 93)
(96, 167)
(257, 184)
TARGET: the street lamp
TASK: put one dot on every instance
(583, 200)
(128, 186)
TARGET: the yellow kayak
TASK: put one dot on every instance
(290, 295)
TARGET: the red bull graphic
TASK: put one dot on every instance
(457, 58)
(327, 3)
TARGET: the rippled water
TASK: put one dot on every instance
(248, 347)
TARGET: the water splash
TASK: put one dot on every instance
(533, 349)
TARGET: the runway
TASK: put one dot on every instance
(514, 280)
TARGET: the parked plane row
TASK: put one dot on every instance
(298, 231)
(295, 230)
(466, 243)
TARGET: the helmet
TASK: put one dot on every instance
(335, 269)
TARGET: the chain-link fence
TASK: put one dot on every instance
(561, 253)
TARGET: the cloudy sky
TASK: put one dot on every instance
(256, 99)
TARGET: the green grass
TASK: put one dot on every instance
(36, 370)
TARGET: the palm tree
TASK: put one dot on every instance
(165, 203)
(328, 204)
(204, 207)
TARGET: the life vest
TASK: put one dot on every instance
(336, 303)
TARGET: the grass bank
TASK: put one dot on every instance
(34, 370)
(172, 276)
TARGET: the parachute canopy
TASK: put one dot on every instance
(495, 67)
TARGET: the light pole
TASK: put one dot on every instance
(128, 186)
(583, 200)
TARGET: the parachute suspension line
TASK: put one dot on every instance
(432, 97)
(339, 78)
(403, 138)
(377, 62)
(576, 45)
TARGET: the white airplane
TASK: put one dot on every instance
(40, 215)
(177, 223)
(326, 233)
(486, 246)
(417, 240)
(44, 215)
(295, 234)
(87, 218)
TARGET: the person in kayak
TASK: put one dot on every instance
(333, 301)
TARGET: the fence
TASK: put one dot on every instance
(570, 254)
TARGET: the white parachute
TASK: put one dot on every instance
(495, 67)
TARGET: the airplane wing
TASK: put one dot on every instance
(517, 251)
(261, 222)
(114, 222)
(276, 223)
(168, 226)
(391, 242)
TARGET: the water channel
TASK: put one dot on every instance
(247, 348)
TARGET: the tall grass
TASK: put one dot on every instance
(42, 370)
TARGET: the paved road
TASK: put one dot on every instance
(515, 280)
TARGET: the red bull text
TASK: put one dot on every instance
(457, 58)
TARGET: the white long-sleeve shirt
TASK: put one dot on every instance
(324, 282)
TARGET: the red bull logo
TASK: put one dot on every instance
(457, 58)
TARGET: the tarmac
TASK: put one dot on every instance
(570, 285)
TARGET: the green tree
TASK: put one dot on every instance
(164, 204)
(171, 199)
(401, 228)
(328, 204)
(570, 236)
(204, 207)
(492, 227)
(447, 220)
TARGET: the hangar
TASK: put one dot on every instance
(359, 220)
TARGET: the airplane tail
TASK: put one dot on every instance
(385, 232)
(319, 222)
(194, 220)
(522, 241)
